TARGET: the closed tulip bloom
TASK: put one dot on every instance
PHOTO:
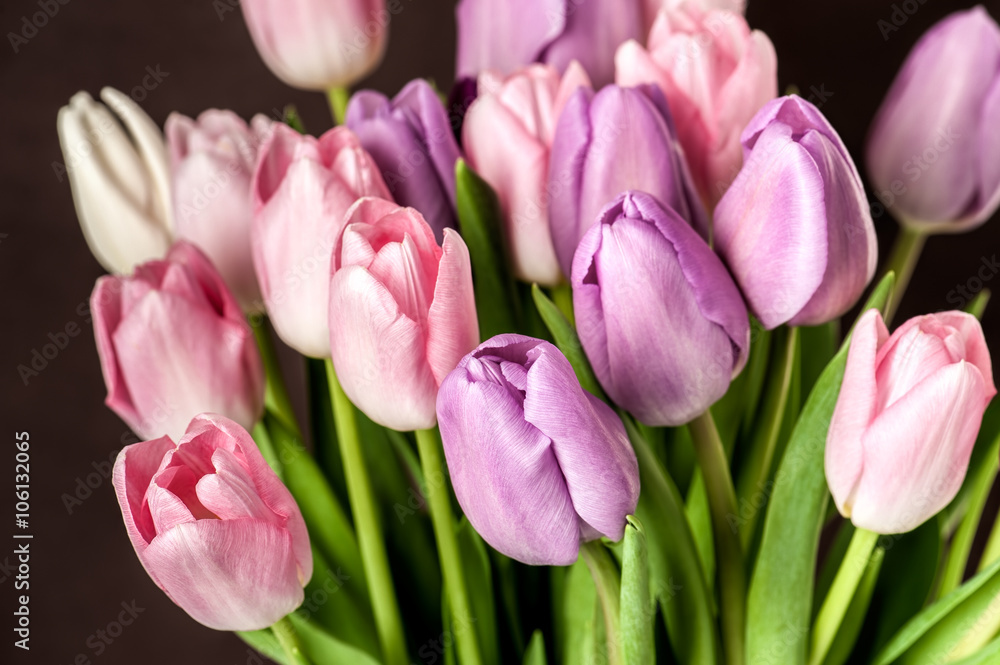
(505, 35)
(659, 316)
(301, 191)
(213, 525)
(173, 343)
(119, 178)
(795, 227)
(652, 8)
(318, 44)
(606, 143)
(402, 312)
(212, 160)
(909, 410)
(539, 465)
(933, 151)
(507, 136)
(716, 74)
(411, 140)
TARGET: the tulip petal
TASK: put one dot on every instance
(452, 326)
(504, 35)
(134, 470)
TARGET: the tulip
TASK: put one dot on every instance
(173, 343)
(119, 178)
(507, 136)
(211, 162)
(301, 190)
(318, 44)
(652, 8)
(619, 139)
(716, 74)
(933, 152)
(795, 228)
(411, 140)
(213, 525)
(505, 35)
(658, 315)
(402, 312)
(539, 465)
(906, 419)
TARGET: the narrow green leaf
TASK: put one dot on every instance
(322, 428)
(566, 339)
(978, 304)
(333, 601)
(479, 583)
(578, 603)
(988, 655)
(322, 647)
(637, 608)
(854, 618)
(265, 643)
(755, 373)
(535, 655)
(819, 345)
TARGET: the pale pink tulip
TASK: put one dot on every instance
(652, 8)
(301, 191)
(907, 417)
(402, 312)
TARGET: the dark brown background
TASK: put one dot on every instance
(83, 566)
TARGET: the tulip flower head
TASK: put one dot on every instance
(906, 419)
(539, 465)
(214, 526)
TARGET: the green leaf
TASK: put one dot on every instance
(321, 647)
(819, 345)
(988, 655)
(333, 602)
(578, 615)
(265, 643)
(480, 222)
(567, 340)
(854, 618)
(755, 373)
(978, 304)
(779, 604)
(479, 585)
(637, 608)
(535, 655)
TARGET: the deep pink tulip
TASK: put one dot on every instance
(716, 74)
(212, 160)
(302, 189)
(213, 525)
(907, 417)
(402, 312)
(173, 343)
(507, 137)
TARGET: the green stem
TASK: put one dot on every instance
(562, 296)
(903, 260)
(338, 98)
(275, 393)
(439, 503)
(991, 552)
(388, 622)
(838, 599)
(608, 582)
(288, 638)
(722, 503)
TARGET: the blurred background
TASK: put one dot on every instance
(83, 568)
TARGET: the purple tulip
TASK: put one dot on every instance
(658, 315)
(933, 153)
(795, 227)
(411, 140)
(539, 465)
(505, 35)
(606, 143)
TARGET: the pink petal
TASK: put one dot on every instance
(452, 325)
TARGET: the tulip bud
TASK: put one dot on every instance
(619, 139)
(716, 74)
(933, 152)
(411, 140)
(119, 177)
(402, 312)
(795, 227)
(505, 35)
(539, 465)
(173, 343)
(907, 417)
(212, 161)
(213, 526)
(507, 136)
(318, 44)
(301, 190)
(652, 8)
(658, 315)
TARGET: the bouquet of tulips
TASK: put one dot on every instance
(579, 386)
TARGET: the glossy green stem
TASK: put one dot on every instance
(275, 394)
(338, 98)
(903, 261)
(288, 638)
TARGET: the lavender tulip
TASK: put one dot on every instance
(934, 150)
(539, 465)
(795, 227)
(505, 35)
(412, 142)
(658, 315)
(606, 143)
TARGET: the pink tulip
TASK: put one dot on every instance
(652, 8)
(211, 162)
(507, 136)
(213, 525)
(402, 312)
(301, 190)
(716, 74)
(173, 343)
(907, 417)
